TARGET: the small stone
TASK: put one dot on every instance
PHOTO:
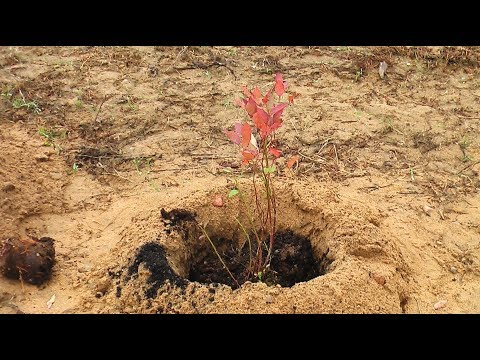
(8, 186)
(217, 201)
(103, 286)
(56, 176)
(379, 279)
(127, 84)
(269, 299)
(41, 158)
(440, 304)
(84, 268)
(453, 269)
(427, 210)
(382, 68)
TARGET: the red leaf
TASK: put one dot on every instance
(267, 96)
(278, 109)
(292, 161)
(274, 152)
(257, 95)
(260, 118)
(251, 107)
(248, 155)
(233, 136)
(279, 86)
(246, 135)
(238, 128)
(290, 99)
(276, 124)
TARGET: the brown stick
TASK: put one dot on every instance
(468, 166)
(101, 104)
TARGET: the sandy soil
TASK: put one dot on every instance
(388, 178)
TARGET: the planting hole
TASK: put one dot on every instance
(293, 259)
(292, 262)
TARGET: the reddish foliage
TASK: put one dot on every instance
(248, 155)
(266, 116)
(292, 161)
(280, 85)
(274, 152)
(246, 135)
(257, 95)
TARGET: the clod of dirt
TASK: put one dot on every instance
(217, 201)
(103, 286)
(83, 268)
(41, 157)
(153, 256)
(8, 186)
(29, 260)
(176, 216)
(428, 210)
(424, 142)
(380, 279)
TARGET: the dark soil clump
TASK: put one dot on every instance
(30, 260)
(153, 256)
(176, 216)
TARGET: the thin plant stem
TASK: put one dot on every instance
(250, 218)
(249, 244)
(270, 203)
(218, 255)
(274, 225)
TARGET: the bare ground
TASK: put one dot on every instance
(388, 178)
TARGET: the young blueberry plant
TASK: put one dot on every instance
(256, 139)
